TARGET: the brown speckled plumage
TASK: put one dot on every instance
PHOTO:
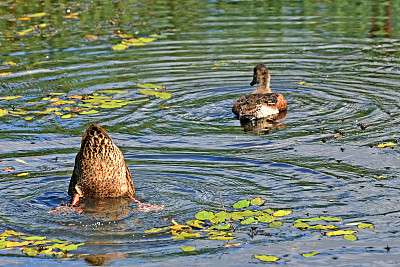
(100, 170)
(261, 103)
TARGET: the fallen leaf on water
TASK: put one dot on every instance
(18, 112)
(21, 160)
(72, 247)
(158, 36)
(92, 111)
(341, 232)
(233, 245)
(75, 97)
(204, 215)
(386, 144)
(308, 255)
(28, 118)
(23, 32)
(113, 92)
(281, 213)
(350, 237)
(275, 224)
(257, 201)
(188, 248)
(23, 174)
(62, 102)
(266, 258)
(58, 113)
(9, 97)
(150, 86)
(91, 37)
(10, 63)
(11, 233)
(31, 252)
(5, 73)
(34, 238)
(195, 223)
(163, 95)
(380, 176)
(72, 16)
(3, 112)
(119, 47)
(156, 230)
(36, 15)
(67, 116)
(222, 237)
(241, 204)
(331, 219)
(146, 39)
(18, 244)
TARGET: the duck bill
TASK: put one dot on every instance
(254, 81)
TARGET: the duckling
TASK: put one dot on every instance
(100, 170)
(262, 103)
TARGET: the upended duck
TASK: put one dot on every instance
(262, 103)
(100, 170)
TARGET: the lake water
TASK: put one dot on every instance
(336, 62)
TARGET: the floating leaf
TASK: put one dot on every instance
(221, 237)
(249, 220)
(23, 174)
(12, 233)
(133, 42)
(119, 47)
(36, 15)
(350, 237)
(34, 238)
(313, 219)
(28, 118)
(188, 248)
(232, 245)
(150, 86)
(9, 97)
(3, 244)
(158, 36)
(59, 241)
(67, 116)
(236, 216)
(195, 223)
(266, 258)
(365, 225)
(58, 113)
(47, 252)
(270, 211)
(113, 92)
(72, 247)
(18, 112)
(219, 217)
(341, 232)
(331, 219)
(220, 227)
(92, 111)
(18, 244)
(163, 95)
(204, 215)
(275, 224)
(72, 16)
(146, 40)
(57, 93)
(3, 112)
(10, 63)
(31, 252)
(21, 161)
(156, 230)
(5, 73)
(189, 235)
(323, 227)
(301, 225)
(265, 218)
(42, 242)
(247, 213)
(281, 213)
(308, 255)
(91, 37)
(62, 102)
(26, 31)
(385, 145)
(257, 201)
(241, 204)
(42, 25)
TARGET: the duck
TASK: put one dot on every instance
(100, 169)
(262, 103)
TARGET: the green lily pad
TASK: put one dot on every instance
(204, 215)
(34, 238)
(350, 237)
(163, 95)
(341, 232)
(275, 224)
(331, 219)
(119, 47)
(31, 252)
(72, 247)
(301, 225)
(221, 237)
(220, 227)
(195, 223)
(241, 204)
(281, 213)
(92, 111)
(156, 230)
(266, 258)
(265, 218)
(188, 248)
(257, 201)
(249, 220)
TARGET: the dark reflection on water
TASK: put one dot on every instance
(337, 64)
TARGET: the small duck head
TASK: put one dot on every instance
(262, 78)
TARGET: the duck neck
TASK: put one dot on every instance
(263, 87)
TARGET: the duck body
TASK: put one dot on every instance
(100, 170)
(262, 103)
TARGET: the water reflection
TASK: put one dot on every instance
(106, 209)
(265, 125)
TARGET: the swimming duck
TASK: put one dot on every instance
(262, 103)
(100, 170)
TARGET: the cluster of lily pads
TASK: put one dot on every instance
(226, 225)
(67, 106)
(36, 245)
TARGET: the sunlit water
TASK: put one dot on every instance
(316, 161)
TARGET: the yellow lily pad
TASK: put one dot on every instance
(386, 144)
(3, 112)
(266, 258)
(9, 97)
(188, 248)
(119, 47)
(281, 213)
(308, 255)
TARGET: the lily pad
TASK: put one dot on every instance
(162, 95)
(350, 237)
(195, 223)
(34, 238)
(119, 47)
(257, 201)
(265, 218)
(249, 220)
(221, 237)
(150, 86)
(275, 224)
(341, 232)
(31, 252)
(281, 213)
(188, 248)
(9, 97)
(308, 255)
(156, 230)
(204, 215)
(3, 112)
(241, 204)
(266, 258)
(72, 247)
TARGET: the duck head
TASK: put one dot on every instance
(261, 77)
